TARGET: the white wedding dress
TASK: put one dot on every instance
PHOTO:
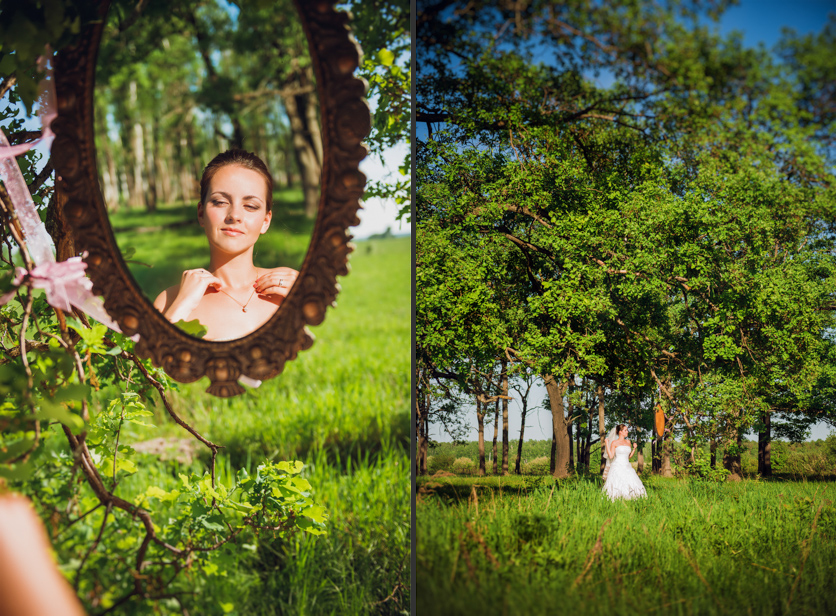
(622, 481)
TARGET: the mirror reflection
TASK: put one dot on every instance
(209, 156)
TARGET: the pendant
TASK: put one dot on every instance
(244, 309)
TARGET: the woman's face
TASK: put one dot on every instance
(623, 432)
(235, 213)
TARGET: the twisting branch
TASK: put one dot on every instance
(161, 390)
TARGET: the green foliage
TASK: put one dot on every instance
(382, 29)
(665, 232)
(702, 470)
(26, 29)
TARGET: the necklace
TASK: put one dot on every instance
(245, 304)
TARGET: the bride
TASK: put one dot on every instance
(621, 480)
(231, 297)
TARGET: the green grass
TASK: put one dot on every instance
(169, 240)
(527, 545)
(342, 407)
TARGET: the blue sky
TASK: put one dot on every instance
(760, 21)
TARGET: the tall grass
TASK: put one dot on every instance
(341, 407)
(523, 545)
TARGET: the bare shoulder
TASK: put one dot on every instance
(282, 271)
(165, 298)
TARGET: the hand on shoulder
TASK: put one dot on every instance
(276, 282)
(178, 302)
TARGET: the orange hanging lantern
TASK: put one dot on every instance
(659, 422)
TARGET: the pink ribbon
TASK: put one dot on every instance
(64, 283)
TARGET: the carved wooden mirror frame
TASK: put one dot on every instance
(262, 354)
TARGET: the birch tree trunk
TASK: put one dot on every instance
(517, 469)
(151, 154)
(137, 184)
(495, 435)
(480, 420)
(504, 418)
(569, 412)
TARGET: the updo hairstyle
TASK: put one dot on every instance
(241, 158)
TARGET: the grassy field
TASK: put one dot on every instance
(529, 545)
(343, 408)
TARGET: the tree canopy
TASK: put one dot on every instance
(664, 194)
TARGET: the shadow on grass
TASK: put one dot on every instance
(342, 452)
(448, 487)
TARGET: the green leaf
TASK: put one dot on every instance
(290, 467)
(125, 465)
(214, 522)
(315, 513)
(72, 391)
(18, 447)
(56, 412)
(386, 57)
(20, 472)
(193, 328)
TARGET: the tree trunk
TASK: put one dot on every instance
(137, 196)
(421, 411)
(505, 418)
(305, 147)
(553, 455)
(517, 469)
(731, 458)
(570, 411)
(639, 454)
(151, 177)
(765, 447)
(656, 455)
(495, 437)
(480, 419)
(602, 427)
(571, 441)
(559, 428)
(665, 466)
(587, 453)
(107, 178)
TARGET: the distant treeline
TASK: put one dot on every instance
(808, 459)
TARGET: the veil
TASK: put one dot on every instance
(611, 436)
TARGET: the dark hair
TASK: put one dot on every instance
(241, 158)
(619, 428)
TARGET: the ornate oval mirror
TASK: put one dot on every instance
(135, 188)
